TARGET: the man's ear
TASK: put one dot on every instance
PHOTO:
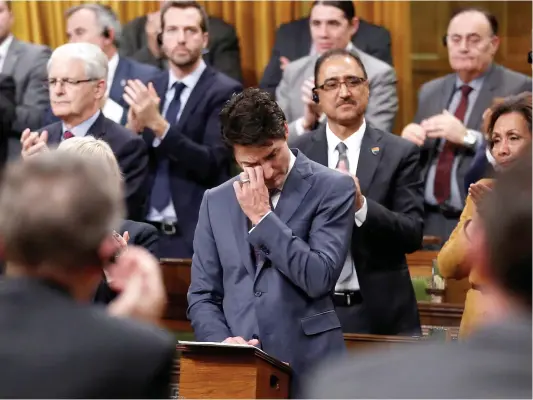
(495, 44)
(286, 131)
(355, 25)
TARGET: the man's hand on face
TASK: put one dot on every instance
(252, 194)
(415, 134)
(445, 126)
(33, 143)
(312, 110)
(152, 29)
(144, 103)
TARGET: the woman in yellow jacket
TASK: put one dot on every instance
(509, 131)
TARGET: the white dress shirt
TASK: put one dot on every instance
(4, 47)
(190, 81)
(112, 66)
(353, 144)
(82, 128)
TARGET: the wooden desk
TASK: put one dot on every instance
(440, 314)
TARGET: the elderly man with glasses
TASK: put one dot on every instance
(77, 78)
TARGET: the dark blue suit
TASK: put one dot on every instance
(286, 302)
(198, 159)
(131, 154)
(126, 69)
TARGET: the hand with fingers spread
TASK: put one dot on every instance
(144, 103)
(122, 246)
(252, 194)
(415, 134)
(446, 126)
(359, 200)
(137, 277)
(477, 191)
(33, 143)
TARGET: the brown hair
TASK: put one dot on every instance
(204, 19)
(56, 209)
(520, 103)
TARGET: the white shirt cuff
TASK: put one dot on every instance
(299, 125)
(264, 216)
(157, 140)
(360, 216)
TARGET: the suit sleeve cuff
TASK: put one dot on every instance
(264, 216)
(157, 140)
(360, 215)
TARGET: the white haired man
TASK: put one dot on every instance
(77, 78)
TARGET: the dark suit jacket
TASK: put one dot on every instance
(390, 181)
(285, 301)
(492, 363)
(479, 169)
(7, 114)
(141, 234)
(224, 52)
(198, 158)
(131, 155)
(435, 96)
(127, 68)
(61, 348)
(293, 40)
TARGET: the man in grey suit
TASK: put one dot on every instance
(270, 244)
(294, 91)
(26, 63)
(494, 361)
(449, 139)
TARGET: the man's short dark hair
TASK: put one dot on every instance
(337, 53)
(252, 118)
(508, 233)
(347, 7)
(491, 18)
(204, 19)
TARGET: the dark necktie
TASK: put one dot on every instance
(67, 135)
(160, 196)
(343, 155)
(442, 183)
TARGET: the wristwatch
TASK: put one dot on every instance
(469, 139)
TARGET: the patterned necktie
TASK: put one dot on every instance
(160, 195)
(343, 155)
(67, 135)
(442, 183)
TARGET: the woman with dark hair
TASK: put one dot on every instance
(509, 132)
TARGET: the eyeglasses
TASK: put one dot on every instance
(349, 81)
(68, 83)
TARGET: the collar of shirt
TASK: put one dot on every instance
(4, 47)
(352, 142)
(292, 160)
(475, 84)
(82, 129)
(112, 66)
(190, 80)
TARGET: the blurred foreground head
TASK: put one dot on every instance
(502, 237)
(57, 213)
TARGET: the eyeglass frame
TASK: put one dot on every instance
(66, 82)
(339, 83)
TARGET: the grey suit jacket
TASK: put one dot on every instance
(26, 62)
(285, 302)
(495, 362)
(382, 105)
(434, 96)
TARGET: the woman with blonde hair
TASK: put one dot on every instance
(509, 132)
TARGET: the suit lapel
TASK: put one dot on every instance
(197, 94)
(447, 92)
(97, 129)
(318, 150)
(484, 99)
(11, 58)
(54, 133)
(117, 86)
(369, 157)
(241, 228)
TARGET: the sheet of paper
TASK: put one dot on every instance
(113, 110)
(218, 344)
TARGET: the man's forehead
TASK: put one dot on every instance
(469, 23)
(339, 66)
(326, 13)
(187, 16)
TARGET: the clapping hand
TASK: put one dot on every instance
(33, 143)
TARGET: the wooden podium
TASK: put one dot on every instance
(215, 371)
